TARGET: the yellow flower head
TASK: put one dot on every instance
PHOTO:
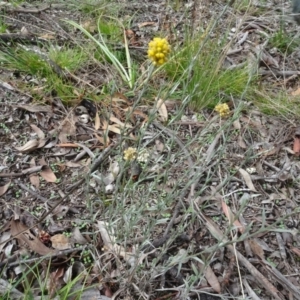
(222, 109)
(158, 51)
(130, 154)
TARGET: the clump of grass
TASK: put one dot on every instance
(124, 70)
(48, 68)
(283, 41)
(200, 75)
(3, 26)
(280, 103)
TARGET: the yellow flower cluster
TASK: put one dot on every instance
(158, 51)
(130, 154)
(222, 109)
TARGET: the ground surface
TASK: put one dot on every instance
(208, 210)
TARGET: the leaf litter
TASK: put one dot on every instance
(214, 202)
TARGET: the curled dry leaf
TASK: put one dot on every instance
(29, 146)
(34, 180)
(47, 174)
(38, 131)
(294, 249)
(241, 142)
(104, 141)
(97, 121)
(296, 92)
(212, 279)
(256, 249)
(121, 124)
(159, 146)
(114, 128)
(77, 237)
(5, 236)
(231, 218)
(247, 179)
(4, 188)
(53, 282)
(21, 232)
(210, 276)
(162, 110)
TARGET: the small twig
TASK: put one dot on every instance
(19, 38)
(24, 187)
(87, 150)
(40, 258)
(94, 166)
(28, 10)
(22, 173)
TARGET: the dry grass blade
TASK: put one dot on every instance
(250, 291)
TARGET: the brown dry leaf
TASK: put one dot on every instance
(102, 140)
(68, 128)
(29, 146)
(47, 174)
(71, 164)
(162, 110)
(118, 97)
(296, 146)
(21, 232)
(117, 121)
(114, 129)
(138, 113)
(237, 124)
(89, 26)
(38, 131)
(42, 143)
(53, 283)
(42, 162)
(63, 137)
(212, 279)
(213, 229)
(247, 179)
(241, 142)
(4, 188)
(77, 237)
(257, 249)
(67, 145)
(34, 179)
(231, 218)
(159, 146)
(132, 38)
(294, 249)
(36, 108)
(296, 92)
(60, 242)
(48, 36)
(140, 25)
(97, 121)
